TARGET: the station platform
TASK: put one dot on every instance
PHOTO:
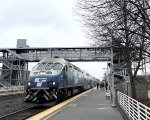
(90, 106)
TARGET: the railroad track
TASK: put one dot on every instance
(16, 109)
(11, 96)
(11, 104)
(27, 112)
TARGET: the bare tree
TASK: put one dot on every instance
(124, 24)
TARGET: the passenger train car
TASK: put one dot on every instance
(56, 79)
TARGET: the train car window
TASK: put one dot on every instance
(57, 66)
(49, 66)
(41, 66)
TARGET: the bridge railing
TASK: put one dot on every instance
(134, 109)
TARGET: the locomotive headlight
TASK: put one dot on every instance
(29, 83)
(54, 83)
(51, 83)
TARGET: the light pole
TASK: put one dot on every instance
(112, 88)
(112, 78)
(112, 73)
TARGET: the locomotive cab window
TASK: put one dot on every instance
(65, 68)
(57, 66)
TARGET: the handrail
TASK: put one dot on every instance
(135, 109)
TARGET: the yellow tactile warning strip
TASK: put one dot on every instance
(50, 112)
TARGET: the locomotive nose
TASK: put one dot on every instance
(43, 82)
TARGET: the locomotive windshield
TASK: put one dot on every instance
(48, 66)
(41, 66)
(57, 66)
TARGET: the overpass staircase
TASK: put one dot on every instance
(12, 67)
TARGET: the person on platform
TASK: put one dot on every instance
(97, 85)
(106, 85)
(101, 85)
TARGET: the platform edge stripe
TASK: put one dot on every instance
(51, 110)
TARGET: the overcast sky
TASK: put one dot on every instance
(44, 23)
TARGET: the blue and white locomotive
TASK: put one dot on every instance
(56, 79)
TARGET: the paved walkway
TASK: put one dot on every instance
(91, 106)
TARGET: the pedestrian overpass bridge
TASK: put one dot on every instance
(15, 60)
